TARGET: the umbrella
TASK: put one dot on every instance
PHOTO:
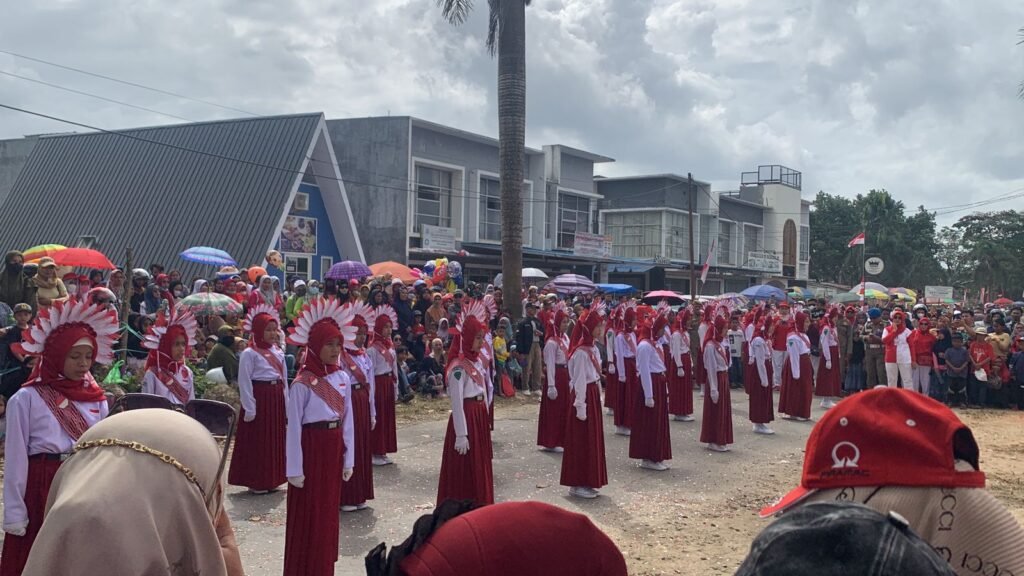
(1002, 302)
(36, 252)
(907, 291)
(208, 255)
(800, 293)
(869, 286)
(209, 304)
(573, 284)
(82, 258)
(903, 297)
(732, 299)
(400, 271)
(845, 298)
(872, 294)
(765, 292)
(615, 288)
(534, 273)
(666, 295)
(348, 270)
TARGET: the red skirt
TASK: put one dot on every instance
(627, 392)
(37, 489)
(716, 427)
(553, 413)
(829, 384)
(311, 533)
(762, 402)
(583, 463)
(680, 389)
(700, 373)
(359, 487)
(468, 476)
(744, 357)
(795, 396)
(611, 387)
(384, 438)
(650, 438)
(257, 460)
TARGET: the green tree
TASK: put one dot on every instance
(506, 38)
(957, 265)
(994, 244)
(833, 221)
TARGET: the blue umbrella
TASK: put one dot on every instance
(208, 255)
(616, 288)
(765, 292)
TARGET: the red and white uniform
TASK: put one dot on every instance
(467, 476)
(650, 438)
(553, 413)
(797, 378)
(385, 370)
(629, 381)
(716, 427)
(177, 386)
(761, 406)
(258, 459)
(828, 384)
(583, 462)
(680, 396)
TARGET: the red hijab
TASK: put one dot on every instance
(359, 322)
(462, 342)
(378, 331)
(583, 333)
(49, 370)
(552, 331)
(797, 327)
(320, 334)
(716, 328)
(259, 326)
(161, 357)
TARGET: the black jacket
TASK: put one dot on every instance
(524, 334)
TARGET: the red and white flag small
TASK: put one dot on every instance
(707, 263)
(857, 240)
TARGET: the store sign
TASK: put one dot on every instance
(874, 265)
(937, 294)
(763, 261)
(438, 239)
(592, 245)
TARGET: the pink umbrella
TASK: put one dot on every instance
(666, 295)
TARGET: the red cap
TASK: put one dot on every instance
(885, 437)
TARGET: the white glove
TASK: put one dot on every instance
(552, 393)
(714, 394)
(828, 365)
(765, 384)
(679, 372)
(649, 402)
(18, 529)
(581, 413)
(346, 474)
(249, 416)
(373, 423)
(297, 481)
(462, 444)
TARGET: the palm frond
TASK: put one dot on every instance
(456, 12)
(493, 26)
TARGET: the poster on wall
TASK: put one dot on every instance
(299, 235)
(592, 245)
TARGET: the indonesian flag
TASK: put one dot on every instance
(857, 240)
(707, 262)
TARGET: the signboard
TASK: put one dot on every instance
(763, 261)
(592, 245)
(874, 265)
(438, 238)
(937, 294)
(299, 235)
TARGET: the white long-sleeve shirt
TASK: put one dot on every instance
(582, 372)
(365, 364)
(748, 332)
(33, 429)
(760, 354)
(702, 332)
(253, 366)
(625, 347)
(828, 341)
(716, 359)
(797, 344)
(381, 364)
(648, 362)
(461, 386)
(679, 344)
(152, 385)
(305, 407)
(609, 345)
(554, 355)
(902, 344)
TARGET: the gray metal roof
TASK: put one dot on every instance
(161, 190)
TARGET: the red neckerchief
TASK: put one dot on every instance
(171, 383)
(721, 351)
(354, 368)
(658, 349)
(470, 369)
(594, 358)
(331, 396)
(630, 339)
(271, 359)
(804, 337)
(563, 345)
(69, 418)
(387, 352)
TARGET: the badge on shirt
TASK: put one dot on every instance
(457, 373)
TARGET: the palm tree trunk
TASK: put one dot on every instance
(512, 138)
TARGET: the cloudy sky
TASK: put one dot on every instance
(916, 96)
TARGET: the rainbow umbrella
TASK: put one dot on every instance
(906, 291)
(36, 252)
(903, 297)
(209, 304)
(857, 289)
(872, 294)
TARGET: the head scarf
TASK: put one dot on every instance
(384, 318)
(198, 286)
(152, 298)
(49, 370)
(552, 332)
(628, 317)
(268, 295)
(683, 320)
(798, 322)
(319, 335)
(716, 329)
(259, 326)
(462, 342)
(172, 529)
(583, 333)
(161, 357)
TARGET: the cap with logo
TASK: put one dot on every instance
(885, 437)
(825, 538)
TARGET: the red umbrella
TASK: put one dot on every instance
(1003, 302)
(82, 258)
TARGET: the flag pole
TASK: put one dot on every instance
(863, 266)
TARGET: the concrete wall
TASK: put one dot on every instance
(739, 212)
(13, 155)
(577, 173)
(639, 193)
(373, 156)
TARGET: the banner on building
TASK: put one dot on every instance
(764, 262)
(938, 294)
(438, 238)
(592, 245)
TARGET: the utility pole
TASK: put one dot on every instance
(693, 271)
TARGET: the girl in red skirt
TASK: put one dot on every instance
(611, 382)
(466, 472)
(716, 428)
(758, 376)
(680, 385)
(797, 376)
(650, 441)
(384, 437)
(258, 458)
(359, 367)
(320, 428)
(554, 405)
(706, 323)
(584, 469)
(167, 374)
(828, 386)
(751, 324)
(625, 365)
(56, 405)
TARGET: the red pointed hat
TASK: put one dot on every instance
(885, 437)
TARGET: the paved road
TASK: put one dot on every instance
(407, 489)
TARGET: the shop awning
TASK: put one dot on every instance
(629, 268)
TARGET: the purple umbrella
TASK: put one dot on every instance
(348, 270)
(573, 284)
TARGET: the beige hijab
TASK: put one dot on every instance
(118, 511)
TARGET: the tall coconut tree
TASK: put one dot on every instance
(506, 39)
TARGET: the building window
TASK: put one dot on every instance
(433, 197)
(298, 265)
(634, 234)
(753, 241)
(573, 217)
(726, 243)
(679, 236)
(301, 202)
(86, 242)
(490, 210)
(325, 265)
(805, 243)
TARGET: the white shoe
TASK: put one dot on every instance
(763, 429)
(651, 465)
(622, 431)
(609, 412)
(799, 419)
(683, 418)
(582, 492)
(381, 461)
(348, 508)
(546, 449)
(259, 492)
(362, 506)
(718, 448)
(558, 449)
